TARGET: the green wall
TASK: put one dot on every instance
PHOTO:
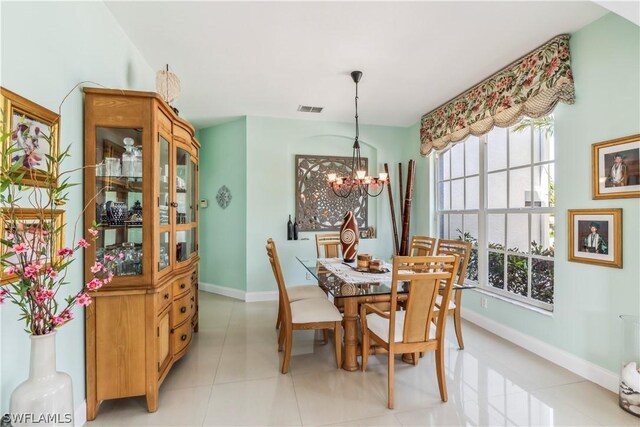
(588, 299)
(223, 243)
(46, 49)
(258, 154)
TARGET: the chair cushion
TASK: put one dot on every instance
(314, 310)
(380, 326)
(297, 293)
(452, 305)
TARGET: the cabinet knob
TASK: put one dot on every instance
(183, 309)
(174, 204)
(183, 337)
(193, 298)
(166, 296)
(183, 285)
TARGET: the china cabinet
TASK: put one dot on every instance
(141, 187)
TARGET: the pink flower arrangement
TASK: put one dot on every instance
(35, 266)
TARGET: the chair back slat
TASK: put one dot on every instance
(422, 246)
(331, 244)
(423, 276)
(272, 253)
(416, 321)
(460, 248)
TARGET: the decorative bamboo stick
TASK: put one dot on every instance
(396, 246)
(406, 220)
(401, 192)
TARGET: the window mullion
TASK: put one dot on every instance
(483, 257)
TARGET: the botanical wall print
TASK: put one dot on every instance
(595, 236)
(29, 219)
(34, 136)
(317, 208)
(616, 168)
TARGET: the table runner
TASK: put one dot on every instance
(347, 274)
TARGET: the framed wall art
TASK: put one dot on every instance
(616, 168)
(317, 208)
(33, 222)
(595, 236)
(34, 135)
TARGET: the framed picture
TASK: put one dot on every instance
(616, 168)
(595, 236)
(317, 208)
(34, 135)
(31, 220)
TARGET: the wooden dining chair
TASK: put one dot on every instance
(330, 242)
(312, 313)
(300, 292)
(422, 246)
(462, 249)
(412, 330)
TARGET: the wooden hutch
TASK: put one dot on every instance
(143, 191)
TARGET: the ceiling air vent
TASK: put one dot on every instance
(309, 109)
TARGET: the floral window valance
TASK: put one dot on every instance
(530, 86)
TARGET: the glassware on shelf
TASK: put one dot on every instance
(137, 162)
(101, 169)
(112, 166)
(128, 157)
(127, 258)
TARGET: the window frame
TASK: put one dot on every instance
(483, 212)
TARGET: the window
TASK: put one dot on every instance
(496, 191)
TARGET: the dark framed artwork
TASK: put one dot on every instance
(616, 168)
(595, 236)
(317, 208)
(34, 136)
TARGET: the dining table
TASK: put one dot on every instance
(349, 288)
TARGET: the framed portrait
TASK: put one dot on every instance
(616, 168)
(595, 236)
(32, 222)
(34, 135)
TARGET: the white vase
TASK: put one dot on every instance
(46, 397)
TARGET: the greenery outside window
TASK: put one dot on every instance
(497, 191)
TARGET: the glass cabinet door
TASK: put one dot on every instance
(119, 199)
(164, 203)
(184, 204)
(164, 195)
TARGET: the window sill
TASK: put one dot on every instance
(514, 302)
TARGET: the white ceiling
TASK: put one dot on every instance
(266, 58)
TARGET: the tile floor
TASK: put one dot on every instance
(231, 377)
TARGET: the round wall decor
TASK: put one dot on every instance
(223, 197)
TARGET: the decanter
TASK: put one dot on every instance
(128, 158)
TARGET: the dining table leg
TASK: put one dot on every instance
(350, 334)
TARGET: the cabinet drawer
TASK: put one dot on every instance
(181, 337)
(163, 298)
(182, 308)
(181, 285)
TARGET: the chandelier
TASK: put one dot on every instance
(358, 181)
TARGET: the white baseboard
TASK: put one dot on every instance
(238, 294)
(261, 296)
(590, 371)
(221, 290)
(80, 414)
